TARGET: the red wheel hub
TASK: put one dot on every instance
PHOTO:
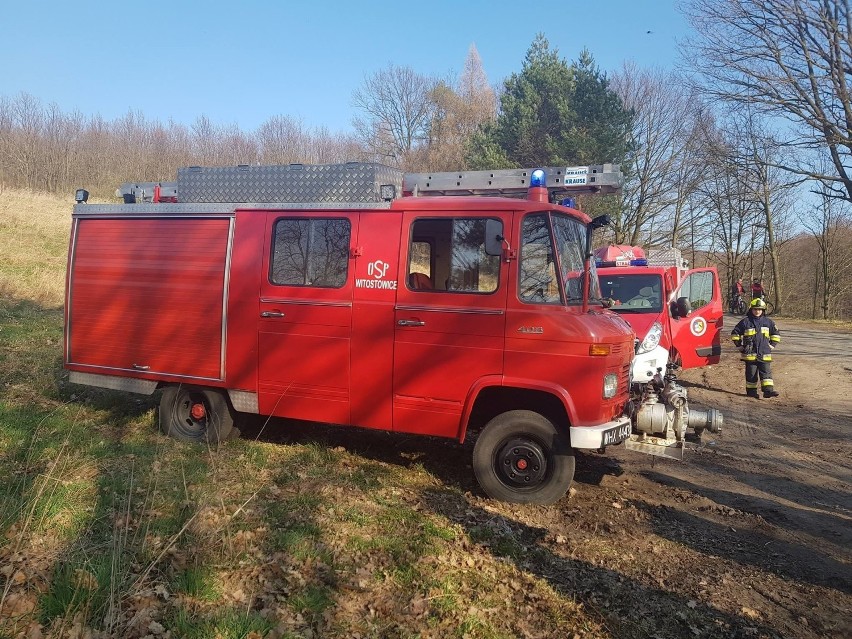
(197, 411)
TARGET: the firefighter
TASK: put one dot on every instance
(756, 336)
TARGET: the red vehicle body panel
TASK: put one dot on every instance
(190, 296)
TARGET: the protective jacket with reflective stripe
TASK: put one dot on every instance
(755, 336)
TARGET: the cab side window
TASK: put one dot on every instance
(310, 252)
(698, 289)
(448, 255)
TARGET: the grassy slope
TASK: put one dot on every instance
(107, 527)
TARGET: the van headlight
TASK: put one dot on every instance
(610, 385)
(652, 339)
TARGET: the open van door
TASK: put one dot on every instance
(696, 318)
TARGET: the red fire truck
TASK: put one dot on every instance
(676, 313)
(318, 293)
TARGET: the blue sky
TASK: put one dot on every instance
(244, 61)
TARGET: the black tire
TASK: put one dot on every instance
(520, 457)
(742, 308)
(194, 414)
(770, 309)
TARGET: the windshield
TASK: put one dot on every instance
(640, 293)
(538, 271)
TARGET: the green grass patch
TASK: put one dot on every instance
(230, 624)
(312, 601)
(79, 586)
(116, 516)
(199, 582)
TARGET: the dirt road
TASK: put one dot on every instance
(759, 520)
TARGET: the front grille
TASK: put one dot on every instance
(624, 377)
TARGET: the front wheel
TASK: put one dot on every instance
(520, 457)
(193, 414)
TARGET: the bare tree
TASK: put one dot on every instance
(281, 140)
(659, 167)
(396, 112)
(830, 224)
(723, 197)
(788, 58)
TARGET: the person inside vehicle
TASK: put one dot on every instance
(756, 336)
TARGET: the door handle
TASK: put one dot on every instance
(141, 367)
(410, 323)
(272, 314)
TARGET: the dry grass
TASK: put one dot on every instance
(34, 229)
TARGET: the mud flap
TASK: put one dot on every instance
(658, 446)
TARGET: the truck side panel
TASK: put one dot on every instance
(147, 296)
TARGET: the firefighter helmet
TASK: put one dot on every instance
(758, 304)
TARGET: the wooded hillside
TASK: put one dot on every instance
(743, 161)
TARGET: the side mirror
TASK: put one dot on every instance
(493, 237)
(682, 307)
(600, 221)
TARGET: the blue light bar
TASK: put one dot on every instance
(639, 261)
(537, 178)
(570, 202)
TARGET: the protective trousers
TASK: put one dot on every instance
(752, 371)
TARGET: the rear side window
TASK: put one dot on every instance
(310, 252)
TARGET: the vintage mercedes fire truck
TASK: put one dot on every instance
(353, 294)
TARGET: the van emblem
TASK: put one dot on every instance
(698, 326)
(531, 330)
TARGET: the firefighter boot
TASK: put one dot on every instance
(770, 392)
(752, 392)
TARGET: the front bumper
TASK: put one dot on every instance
(602, 435)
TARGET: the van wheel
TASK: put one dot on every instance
(193, 414)
(520, 457)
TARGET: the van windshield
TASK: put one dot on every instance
(629, 293)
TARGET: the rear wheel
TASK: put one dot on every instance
(193, 414)
(520, 457)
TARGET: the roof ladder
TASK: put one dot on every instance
(597, 178)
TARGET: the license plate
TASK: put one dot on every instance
(615, 435)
